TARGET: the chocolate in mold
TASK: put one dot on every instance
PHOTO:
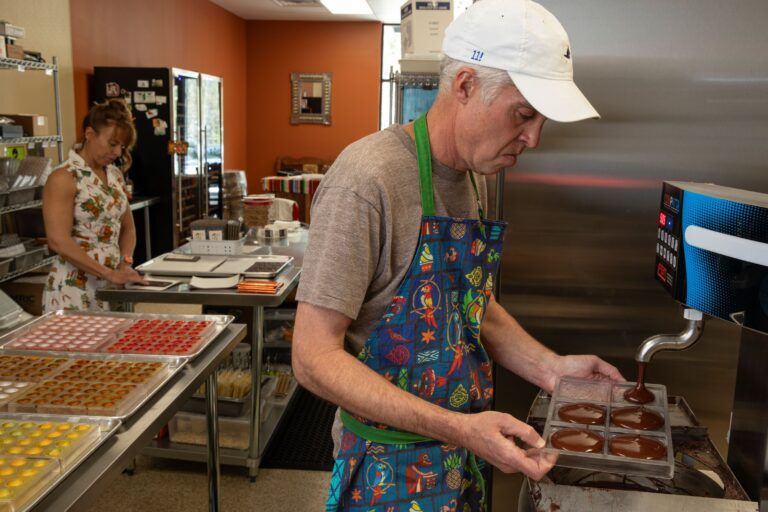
(637, 447)
(577, 440)
(640, 394)
(637, 418)
(584, 413)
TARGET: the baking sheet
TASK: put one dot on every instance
(107, 428)
(220, 323)
(203, 266)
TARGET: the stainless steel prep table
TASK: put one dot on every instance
(260, 434)
(92, 476)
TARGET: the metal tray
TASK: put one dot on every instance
(138, 397)
(107, 427)
(232, 265)
(204, 266)
(609, 395)
(220, 323)
(230, 407)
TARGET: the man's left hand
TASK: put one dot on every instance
(583, 366)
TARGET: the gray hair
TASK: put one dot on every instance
(491, 79)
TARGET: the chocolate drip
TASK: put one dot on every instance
(637, 447)
(638, 418)
(586, 414)
(577, 440)
(639, 394)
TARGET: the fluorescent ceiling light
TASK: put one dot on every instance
(347, 6)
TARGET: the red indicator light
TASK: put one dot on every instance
(661, 271)
(662, 219)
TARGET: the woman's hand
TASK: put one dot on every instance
(123, 274)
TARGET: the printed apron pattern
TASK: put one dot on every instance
(427, 343)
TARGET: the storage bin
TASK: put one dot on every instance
(189, 428)
(225, 406)
(28, 259)
(3, 199)
(21, 195)
(5, 266)
(220, 247)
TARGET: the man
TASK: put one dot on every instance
(400, 267)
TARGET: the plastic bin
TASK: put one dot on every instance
(21, 195)
(223, 247)
(5, 266)
(189, 428)
(28, 259)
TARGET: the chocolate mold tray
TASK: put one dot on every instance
(609, 395)
(218, 324)
(23, 480)
(69, 459)
(65, 388)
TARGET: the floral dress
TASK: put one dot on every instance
(98, 210)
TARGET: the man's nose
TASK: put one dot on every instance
(531, 134)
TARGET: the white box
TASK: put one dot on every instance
(422, 24)
(6, 29)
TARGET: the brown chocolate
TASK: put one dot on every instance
(577, 440)
(638, 418)
(586, 414)
(639, 394)
(637, 447)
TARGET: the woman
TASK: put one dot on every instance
(87, 217)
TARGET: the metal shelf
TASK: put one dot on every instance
(17, 273)
(32, 140)
(164, 448)
(22, 206)
(26, 64)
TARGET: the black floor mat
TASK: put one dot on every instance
(303, 438)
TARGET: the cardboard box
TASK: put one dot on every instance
(14, 51)
(34, 125)
(27, 292)
(3, 53)
(422, 24)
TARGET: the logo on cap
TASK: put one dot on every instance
(477, 55)
(568, 53)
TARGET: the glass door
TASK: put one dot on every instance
(188, 167)
(212, 140)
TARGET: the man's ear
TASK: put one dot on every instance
(465, 85)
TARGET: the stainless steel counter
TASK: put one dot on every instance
(92, 477)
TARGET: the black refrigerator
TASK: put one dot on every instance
(178, 155)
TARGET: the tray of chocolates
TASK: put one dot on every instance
(110, 386)
(63, 332)
(19, 368)
(65, 440)
(608, 426)
(23, 480)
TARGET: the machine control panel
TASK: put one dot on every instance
(668, 239)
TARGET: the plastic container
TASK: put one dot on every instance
(28, 259)
(21, 195)
(24, 479)
(609, 396)
(225, 406)
(190, 428)
(223, 247)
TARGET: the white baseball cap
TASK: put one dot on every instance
(525, 40)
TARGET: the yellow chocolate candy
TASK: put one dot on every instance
(15, 450)
(29, 472)
(6, 471)
(16, 482)
(18, 462)
(34, 451)
(4, 493)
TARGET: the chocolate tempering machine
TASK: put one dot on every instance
(712, 257)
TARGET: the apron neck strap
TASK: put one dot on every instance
(424, 158)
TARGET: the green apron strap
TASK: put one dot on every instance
(424, 157)
(377, 435)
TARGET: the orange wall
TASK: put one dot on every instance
(190, 34)
(349, 50)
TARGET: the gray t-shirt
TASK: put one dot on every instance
(365, 226)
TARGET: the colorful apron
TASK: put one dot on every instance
(427, 343)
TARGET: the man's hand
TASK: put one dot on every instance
(583, 366)
(490, 435)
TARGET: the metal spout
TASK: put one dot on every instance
(681, 341)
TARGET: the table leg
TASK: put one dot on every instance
(147, 239)
(257, 347)
(212, 420)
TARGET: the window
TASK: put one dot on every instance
(390, 62)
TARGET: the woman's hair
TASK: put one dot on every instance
(491, 80)
(114, 112)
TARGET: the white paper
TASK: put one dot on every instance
(214, 283)
(141, 107)
(143, 96)
(167, 284)
(142, 83)
(151, 113)
(161, 100)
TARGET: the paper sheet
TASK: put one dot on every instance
(214, 283)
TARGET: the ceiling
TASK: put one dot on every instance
(385, 11)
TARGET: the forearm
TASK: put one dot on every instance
(73, 253)
(516, 350)
(127, 240)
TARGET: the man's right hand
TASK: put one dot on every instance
(489, 435)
